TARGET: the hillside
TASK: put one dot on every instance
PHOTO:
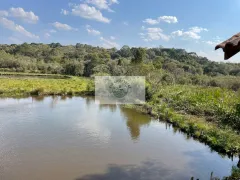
(174, 65)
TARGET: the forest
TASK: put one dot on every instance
(172, 66)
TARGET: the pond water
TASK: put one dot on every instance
(62, 138)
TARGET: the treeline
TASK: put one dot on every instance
(168, 65)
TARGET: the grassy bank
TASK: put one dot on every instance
(216, 105)
(225, 141)
(18, 86)
(211, 115)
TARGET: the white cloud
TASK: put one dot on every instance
(151, 21)
(177, 33)
(16, 28)
(112, 38)
(154, 30)
(168, 19)
(64, 12)
(3, 13)
(213, 42)
(92, 31)
(88, 12)
(113, 2)
(109, 44)
(102, 4)
(210, 42)
(29, 17)
(153, 34)
(197, 29)
(64, 27)
(47, 35)
(49, 32)
(192, 33)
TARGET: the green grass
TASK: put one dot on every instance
(12, 87)
(216, 105)
(235, 174)
(208, 114)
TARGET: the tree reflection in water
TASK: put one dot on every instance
(38, 98)
(134, 121)
(111, 107)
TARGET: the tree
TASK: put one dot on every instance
(125, 51)
(102, 68)
(74, 68)
(139, 56)
(151, 54)
(91, 60)
(54, 45)
(157, 62)
(170, 66)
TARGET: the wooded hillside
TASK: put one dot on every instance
(172, 65)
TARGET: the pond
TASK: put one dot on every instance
(66, 138)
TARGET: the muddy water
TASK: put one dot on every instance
(75, 139)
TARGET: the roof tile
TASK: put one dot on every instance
(230, 46)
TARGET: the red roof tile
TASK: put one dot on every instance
(230, 46)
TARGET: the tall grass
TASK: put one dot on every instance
(220, 106)
(40, 86)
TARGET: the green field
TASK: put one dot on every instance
(31, 84)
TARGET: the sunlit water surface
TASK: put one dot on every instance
(75, 139)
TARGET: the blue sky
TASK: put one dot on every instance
(193, 25)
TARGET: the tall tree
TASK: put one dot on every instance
(139, 56)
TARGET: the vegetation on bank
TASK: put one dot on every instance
(216, 105)
(12, 86)
(235, 175)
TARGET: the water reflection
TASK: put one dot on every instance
(148, 170)
(53, 99)
(73, 138)
(134, 121)
(238, 164)
(89, 101)
(111, 107)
